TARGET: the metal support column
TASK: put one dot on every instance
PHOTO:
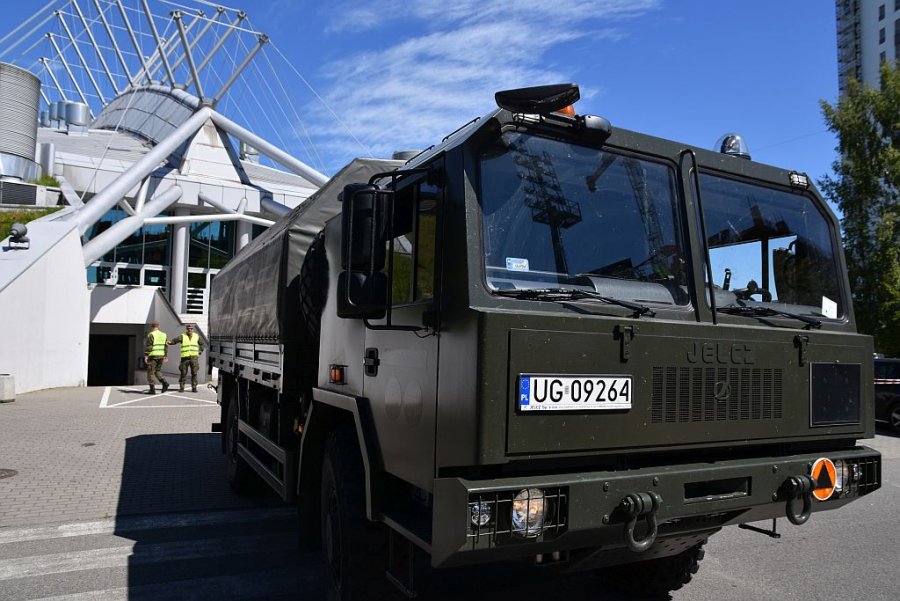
(244, 232)
(112, 40)
(178, 270)
(134, 41)
(46, 63)
(159, 44)
(231, 27)
(65, 65)
(237, 72)
(90, 35)
(220, 10)
(74, 44)
(176, 15)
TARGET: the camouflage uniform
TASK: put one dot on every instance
(191, 349)
(154, 359)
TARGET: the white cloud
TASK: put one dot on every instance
(412, 92)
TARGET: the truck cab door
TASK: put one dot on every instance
(401, 364)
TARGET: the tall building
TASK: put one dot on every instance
(868, 33)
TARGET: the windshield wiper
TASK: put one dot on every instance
(747, 311)
(564, 294)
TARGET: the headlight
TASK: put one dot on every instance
(528, 510)
(480, 513)
(841, 474)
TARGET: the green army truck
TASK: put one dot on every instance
(549, 341)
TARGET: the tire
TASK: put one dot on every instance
(655, 577)
(240, 476)
(893, 417)
(354, 549)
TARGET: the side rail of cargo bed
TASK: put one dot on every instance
(249, 437)
(260, 362)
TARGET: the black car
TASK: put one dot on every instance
(887, 392)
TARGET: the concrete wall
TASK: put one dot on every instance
(128, 310)
(44, 309)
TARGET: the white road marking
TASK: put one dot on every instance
(122, 404)
(132, 554)
(135, 524)
(105, 397)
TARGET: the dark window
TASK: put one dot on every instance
(212, 244)
(558, 214)
(887, 369)
(883, 57)
(149, 244)
(881, 36)
(896, 5)
(881, 12)
(773, 241)
(414, 243)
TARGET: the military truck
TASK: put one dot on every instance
(547, 341)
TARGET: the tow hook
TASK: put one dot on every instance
(799, 487)
(634, 506)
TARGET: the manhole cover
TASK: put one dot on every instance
(7, 473)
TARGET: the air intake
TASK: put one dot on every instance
(19, 92)
(706, 394)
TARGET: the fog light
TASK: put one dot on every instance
(480, 513)
(528, 510)
(841, 474)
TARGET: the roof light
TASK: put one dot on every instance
(799, 180)
(733, 144)
(567, 110)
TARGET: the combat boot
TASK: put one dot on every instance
(152, 390)
(181, 388)
(165, 386)
(193, 389)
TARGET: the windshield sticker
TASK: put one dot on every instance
(513, 264)
(829, 308)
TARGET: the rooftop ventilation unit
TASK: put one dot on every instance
(19, 91)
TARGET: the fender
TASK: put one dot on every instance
(330, 409)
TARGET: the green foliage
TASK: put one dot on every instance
(46, 180)
(866, 188)
(8, 218)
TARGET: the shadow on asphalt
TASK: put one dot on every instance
(230, 559)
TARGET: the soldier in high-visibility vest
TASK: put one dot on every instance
(191, 348)
(155, 356)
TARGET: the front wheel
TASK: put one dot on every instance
(354, 549)
(655, 577)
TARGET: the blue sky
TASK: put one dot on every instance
(386, 75)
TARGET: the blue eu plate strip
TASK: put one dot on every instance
(524, 390)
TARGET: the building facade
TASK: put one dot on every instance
(868, 33)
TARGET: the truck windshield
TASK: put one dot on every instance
(557, 214)
(769, 247)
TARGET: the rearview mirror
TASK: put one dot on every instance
(362, 285)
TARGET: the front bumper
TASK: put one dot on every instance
(696, 500)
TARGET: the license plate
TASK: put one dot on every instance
(574, 393)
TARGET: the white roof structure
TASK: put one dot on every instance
(130, 126)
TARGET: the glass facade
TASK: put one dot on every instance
(144, 258)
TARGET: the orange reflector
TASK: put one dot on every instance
(824, 474)
(336, 374)
(567, 110)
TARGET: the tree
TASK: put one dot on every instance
(866, 189)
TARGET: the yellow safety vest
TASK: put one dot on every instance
(190, 345)
(159, 344)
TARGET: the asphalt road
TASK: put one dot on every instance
(208, 545)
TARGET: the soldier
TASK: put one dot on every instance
(155, 356)
(191, 347)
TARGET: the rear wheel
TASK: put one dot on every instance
(894, 417)
(655, 577)
(354, 549)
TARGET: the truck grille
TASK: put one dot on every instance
(704, 394)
